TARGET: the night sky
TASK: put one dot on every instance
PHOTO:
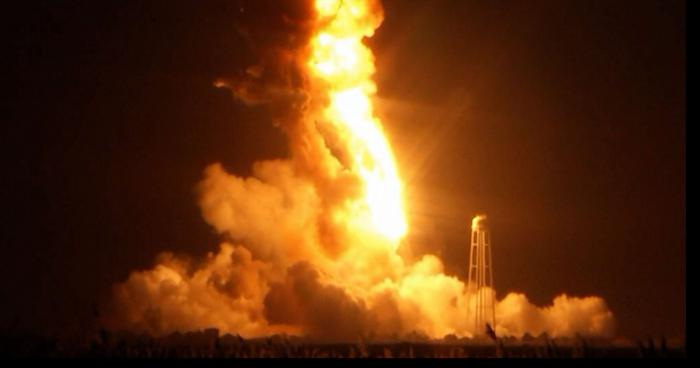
(564, 121)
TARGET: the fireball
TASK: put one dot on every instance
(341, 61)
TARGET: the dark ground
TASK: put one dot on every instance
(209, 344)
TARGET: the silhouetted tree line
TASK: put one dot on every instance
(209, 344)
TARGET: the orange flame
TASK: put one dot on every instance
(340, 59)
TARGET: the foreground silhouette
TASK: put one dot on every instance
(208, 344)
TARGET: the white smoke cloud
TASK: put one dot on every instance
(226, 291)
(567, 316)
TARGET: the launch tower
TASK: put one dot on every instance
(480, 284)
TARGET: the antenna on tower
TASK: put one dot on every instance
(480, 284)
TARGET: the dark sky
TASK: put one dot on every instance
(564, 121)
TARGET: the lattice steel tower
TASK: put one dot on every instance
(480, 283)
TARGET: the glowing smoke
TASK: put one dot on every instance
(316, 234)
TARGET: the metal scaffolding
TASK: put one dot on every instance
(480, 284)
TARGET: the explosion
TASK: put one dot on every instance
(313, 238)
(342, 62)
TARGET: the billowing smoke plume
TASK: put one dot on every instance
(314, 237)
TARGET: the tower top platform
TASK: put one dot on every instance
(479, 222)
